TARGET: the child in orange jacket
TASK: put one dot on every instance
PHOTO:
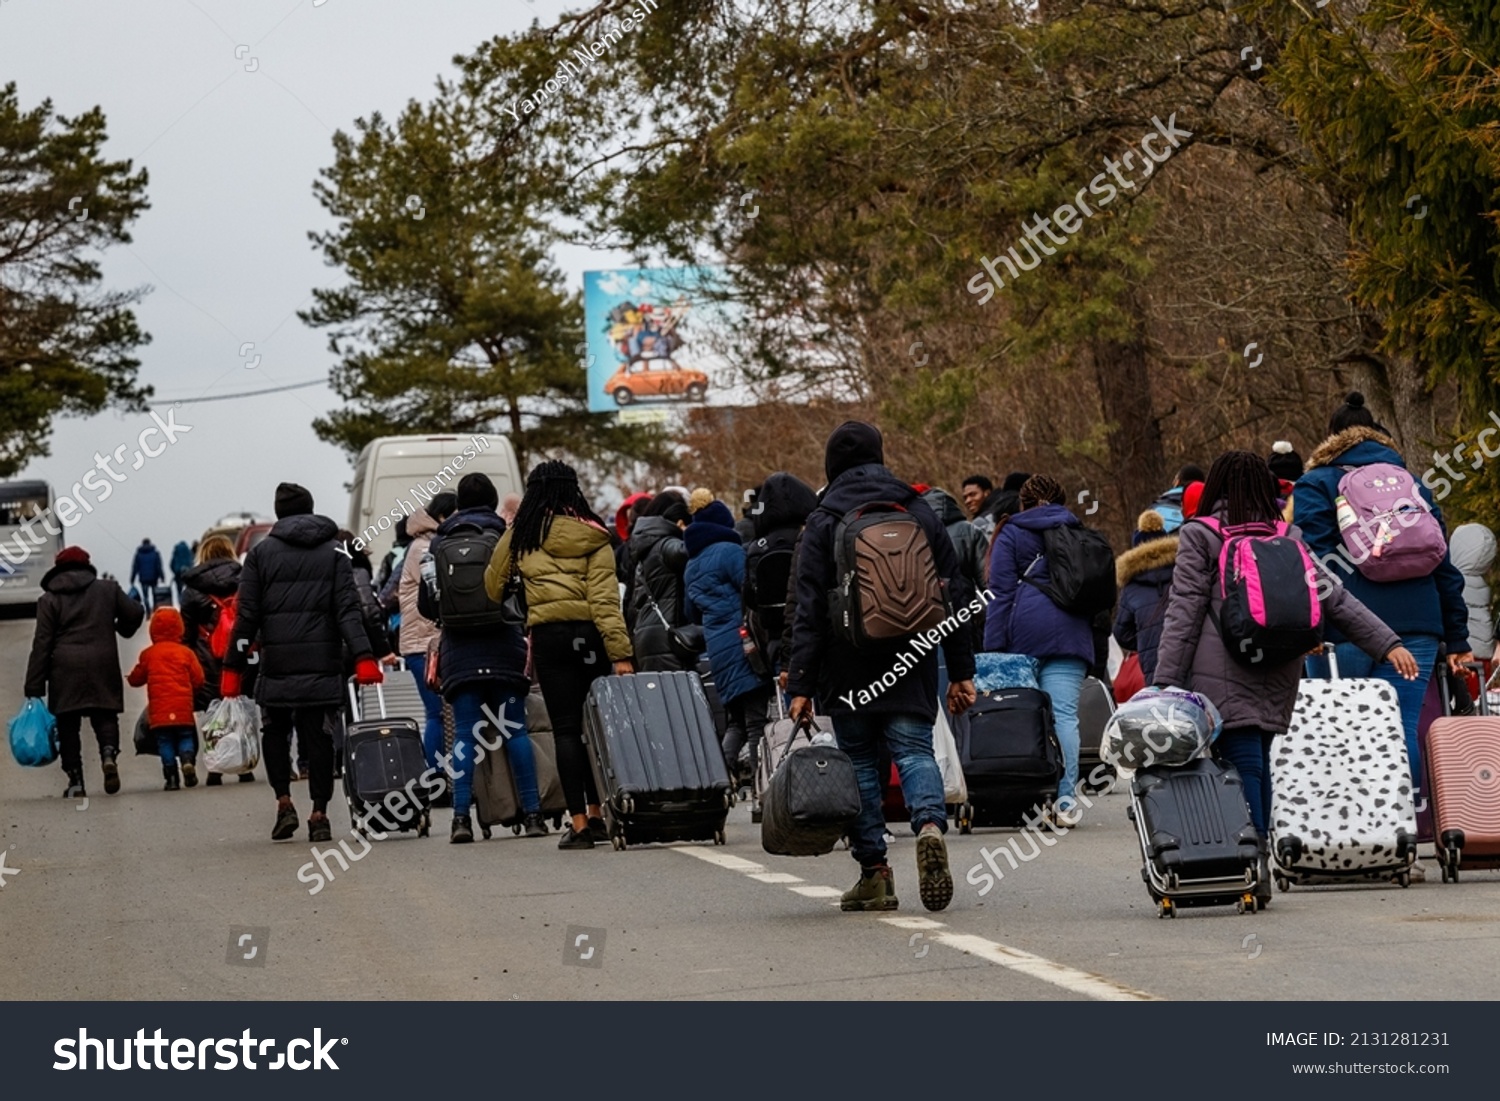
(170, 671)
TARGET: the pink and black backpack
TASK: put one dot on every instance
(1269, 613)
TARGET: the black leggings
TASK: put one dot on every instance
(106, 726)
(568, 657)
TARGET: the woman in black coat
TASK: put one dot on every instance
(75, 660)
(656, 605)
(207, 587)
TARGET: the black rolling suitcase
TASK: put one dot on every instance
(656, 758)
(1096, 706)
(1011, 758)
(381, 756)
(1198, 845)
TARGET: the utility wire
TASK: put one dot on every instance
(248, 393)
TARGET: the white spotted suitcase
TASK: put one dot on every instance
(1342, 806)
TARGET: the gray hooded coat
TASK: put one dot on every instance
(1471, 548)
(1193, 655)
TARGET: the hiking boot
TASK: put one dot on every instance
(462, 830)
(111, 771)
(286, 822)
(934, 882)
(599, 831)
(319, 828)
(876, 890)
(189, 772)
(534, 826)
(170, 772)
(1067, 814)
(572, 839)
(74, 789)
(215, 780)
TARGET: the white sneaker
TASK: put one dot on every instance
(1417, 872)
(1067, 814)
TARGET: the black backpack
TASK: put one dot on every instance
(765, 591)
(888, 586)
(462, 556)
(1081, 564)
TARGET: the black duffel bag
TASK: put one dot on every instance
(811, 801)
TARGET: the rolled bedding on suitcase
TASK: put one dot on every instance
(1160, 727)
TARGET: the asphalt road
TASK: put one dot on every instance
(142, 896)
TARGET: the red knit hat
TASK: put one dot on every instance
(72, 556)
(1190, 497)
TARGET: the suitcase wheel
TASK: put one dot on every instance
(966, 818)
(424, 824)
(1167, 909)
(1404, 879)
(486, 831)
(719, 838)
(1283, 883)
(1246, 904)
(516, 829)
(619, 842)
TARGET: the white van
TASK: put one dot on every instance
(396, 475)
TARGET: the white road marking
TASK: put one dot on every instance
(1002, 955)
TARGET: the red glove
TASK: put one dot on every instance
(366, 671)
(229, 684)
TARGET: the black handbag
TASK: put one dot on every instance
(811, 801)
(513, 610)
(687, 642)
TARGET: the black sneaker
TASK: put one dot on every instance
(111, 771)
(215, 780)
(572, 839)
(599, 831)
(534, 826)
(462, 831)
(319, 828)
(74, 789)
(172, 783)
(286, 823)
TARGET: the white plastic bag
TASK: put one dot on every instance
(231, 736)
(945, 749)
(1160, 726)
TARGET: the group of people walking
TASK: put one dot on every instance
(677, 583)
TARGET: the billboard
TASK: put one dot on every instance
(656, 341)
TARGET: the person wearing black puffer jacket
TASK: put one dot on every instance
(661, 557)
(297, 602)
(782, 505)
(208, 588)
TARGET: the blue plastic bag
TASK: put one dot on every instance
(993, 672)
(33, 735)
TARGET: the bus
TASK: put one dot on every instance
(396, 475)
(23, 561)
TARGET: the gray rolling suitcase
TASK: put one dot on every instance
(656, 758)
(1096, 705)
(496, 801)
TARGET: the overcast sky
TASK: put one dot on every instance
(232, 156)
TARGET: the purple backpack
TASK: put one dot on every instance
(1388, 530)
(1269, 612)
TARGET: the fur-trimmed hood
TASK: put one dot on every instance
(1328, 452)
(1151, 555)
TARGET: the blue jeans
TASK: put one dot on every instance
(1354, 662)
(469, 701)
(1062, 680)
(909, 738)
(1249, 751)
(173, 742)
(432, 703)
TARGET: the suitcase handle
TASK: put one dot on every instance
(354, 699)
(1483, 702)
(807, 720)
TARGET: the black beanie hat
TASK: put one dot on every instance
(475, 490)
(292, 500)
(1284, 462)
(1014, 481)
(852, 444)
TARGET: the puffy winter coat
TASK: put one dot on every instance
(417, 631)
(169, 671)
(479, 654)
(1144, 577)
(970, 546)
(822, 664)
(146, 565)
(781, 508)
(200, 614)
(1193, 655)
(1431, 605)
(661, 557)
(571, 579)
(370, 612)
(1472, 548)
(75, 661)
(298, 603)
(1022, 619)
(715, 579)
(182, 559)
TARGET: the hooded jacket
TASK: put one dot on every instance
(200, 585)
(75, 661)
(1192, 653)
(781, 508)
(571, 579)
(480, 654)
(1431, 605)
(182, 559)
(822, 664)
(146, 565)
(1472, 549)
(1144, 577)
(715, 581)
(298, 603)
(971, 547)
(661, 557)
(417, 631)
(1022, 619)
(169, 671)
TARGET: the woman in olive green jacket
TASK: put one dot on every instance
(561, 552)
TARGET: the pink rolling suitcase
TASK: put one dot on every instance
(1463, 770)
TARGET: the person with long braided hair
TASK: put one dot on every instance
(1254, 700)
(561, 552)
